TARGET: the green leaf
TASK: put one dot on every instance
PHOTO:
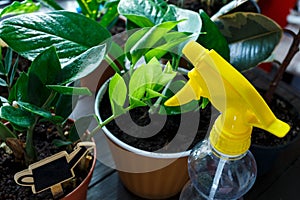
(191, 21)
(80, 127)
(117, 53)
(117, 94)
(173, 40)
(252, 38)
(39, 111)
(46, 66)
(89, 8)
(30, 34)
(144, 13)
(8, 60)
(67, 90)
(65, 105)
(153, 94)
(147, 81)
(44, 70)
(5, 132)
(82, 65)
(19, 91)
(13, 71)
(145, 39)
(212, 38)
(3, 82)
(17, 116)
(111, 14)
(51, 4)
(16, 8)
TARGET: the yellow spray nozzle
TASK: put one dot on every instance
(241, 106)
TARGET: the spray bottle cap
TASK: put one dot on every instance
(241, 106)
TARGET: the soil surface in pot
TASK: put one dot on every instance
(131, 132)
(286, 112)
(9, 190)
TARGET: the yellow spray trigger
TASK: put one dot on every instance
(241, 106)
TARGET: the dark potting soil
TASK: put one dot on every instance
(9, 190)
(132, 129)
(286, 112)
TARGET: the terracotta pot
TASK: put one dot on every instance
(149, 175)
(80, 192)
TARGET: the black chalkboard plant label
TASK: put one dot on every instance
(52, 171)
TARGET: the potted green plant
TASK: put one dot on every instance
(27, 112)
(46, 94)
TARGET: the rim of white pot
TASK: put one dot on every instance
(99, 97)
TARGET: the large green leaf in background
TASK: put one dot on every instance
(212, 38)
(71, 33)
(89, 8)
(145, 13)
(141, 41)
(82, 65)
(154, 12)
(252, 38)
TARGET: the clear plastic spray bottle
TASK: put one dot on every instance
(222, 167)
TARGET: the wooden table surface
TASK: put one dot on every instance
(281, 183)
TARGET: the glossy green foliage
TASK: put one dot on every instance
(146, 13)
(70, 33)
(212, 38)
(252, 38)
(38, 93)
(89, 8)
(5, 132)
(154, 42)
(16, 7)
(146, 83)
(154, 12)
(109, 13)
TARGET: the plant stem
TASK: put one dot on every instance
(60, 131)
(105, 122)
(49, 100)
(294, 48)
(100, 125)
(29, 148)
(154, 108)
(112, 64)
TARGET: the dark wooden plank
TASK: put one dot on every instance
(111, 188)
(286, 187)
(101, 171)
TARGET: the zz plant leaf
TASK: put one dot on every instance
(17, 116)
(68, 90)
(40, 112)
